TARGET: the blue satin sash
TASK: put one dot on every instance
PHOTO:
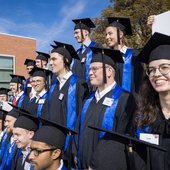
(3, 144)
(21, 100)
(108, 118)
(88, 60)
(71, 107)
(127, 69)
(138, 130)
(50, 93)
(63, 167)
(11, 100)
(40, 107)
(24, 85)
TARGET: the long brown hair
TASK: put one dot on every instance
(147, 104)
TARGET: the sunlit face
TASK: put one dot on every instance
(161, 83)
(78, 36)
(111, 36)
(9, 123)
(96, 78)
(29, 68)
(57, 63)
(38, 83)
(44, 160)
(22, 137)
(38, 63)
(3, 97)
(13, 87)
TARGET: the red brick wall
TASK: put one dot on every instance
(21, 48)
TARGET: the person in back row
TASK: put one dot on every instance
(110, 106)
(82, 35)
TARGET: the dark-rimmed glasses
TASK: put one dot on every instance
(94, 69)
(36, 152)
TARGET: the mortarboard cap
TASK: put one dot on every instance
(106, 56)
(115, 149)
(4, 91)
(27, 121)
(14, 113)
(18, 108)
(120, 23)
(42, 56)
(158, 47)
(84, 23)
(16, 78)
(29, 62)
(65, 50)
(36, 71)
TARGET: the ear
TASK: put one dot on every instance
(56, 153)
(109, 72)
(67, 60)
(121, 34)
(31, 134)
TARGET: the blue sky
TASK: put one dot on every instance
(46, 20)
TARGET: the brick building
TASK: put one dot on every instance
(13, 52)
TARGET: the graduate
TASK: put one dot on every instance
(120, 152)
(153, 116)
(9, 146)
(128, 74)
(41, 62)
(3, 95)
(23, 131)
(46, 152)
(2, 119)
(82, 35)
(110, 106)
(28, 87)
(19, 99)
(39, 76)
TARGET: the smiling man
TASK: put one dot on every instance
(24, 128)
(109, 106)
(82, 35)
(39, 81)
(47, 150)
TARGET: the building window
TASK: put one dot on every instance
(7, 67)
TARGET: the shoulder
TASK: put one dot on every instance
(135, 53)
(98, 45)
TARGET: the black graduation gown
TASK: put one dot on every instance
(159, 160)
(25, 102)
(19, 165)
(136, 73)
(33, 108)
(58, 108)
(50, 79)
(94, 116)
(80, 67)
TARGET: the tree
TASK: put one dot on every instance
(138, 12)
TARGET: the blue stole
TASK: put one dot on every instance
(127, 69)
(3, 144)
(11, 100)
(30, 103)
(7, 159)
(108, 118)
(24, 85)
(138, 130)
(88, 60)
(21, 100)
(71, 107)
(63, 167)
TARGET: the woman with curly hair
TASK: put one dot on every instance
(153, 104)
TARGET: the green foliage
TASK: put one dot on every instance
(138, 12)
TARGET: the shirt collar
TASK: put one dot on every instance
(87, 43)
(41, 94)
(20, 94)
(123, 49)
(61, 165)
(102, 93)
(65, 77)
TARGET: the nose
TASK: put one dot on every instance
(31, 156)
(107, 36)
(51, 62)
(157, 72)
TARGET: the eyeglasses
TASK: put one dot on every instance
(29, 69)
(163, 69)
(37, 81)
(94, 69)
(37, 152)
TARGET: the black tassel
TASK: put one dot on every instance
(81, 32)
(70, 151)
(104, 69)
(118, 36)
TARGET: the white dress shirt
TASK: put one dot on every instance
(19, 95)
(38, 96)
(84, 46)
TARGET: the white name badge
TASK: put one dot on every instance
(41, 101)
(27, 166)
(29, 85)
(151, 138)
(83, 60)
(108, 101)
(61, 96)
